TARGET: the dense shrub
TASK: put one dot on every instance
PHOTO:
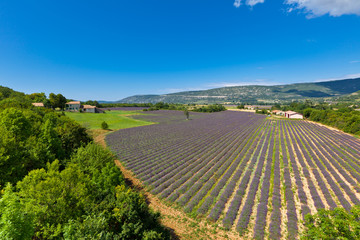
(333, 224)
(104, 125)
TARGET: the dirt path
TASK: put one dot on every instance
(180, 225)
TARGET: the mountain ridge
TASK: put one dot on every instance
(254, 93)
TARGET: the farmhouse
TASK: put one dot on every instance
(38, 104)
(91, 109)
(293, 115)
(73, 106)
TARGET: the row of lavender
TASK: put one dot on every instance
(260, 177)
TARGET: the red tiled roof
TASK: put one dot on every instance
(74, 102)
(38, 104)
(88, 106)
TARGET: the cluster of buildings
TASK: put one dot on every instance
(288, 114)
(75, 106)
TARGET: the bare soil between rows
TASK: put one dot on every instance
(179, 224)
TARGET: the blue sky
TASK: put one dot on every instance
(111, 49)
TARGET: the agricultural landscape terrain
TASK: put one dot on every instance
(255, 176)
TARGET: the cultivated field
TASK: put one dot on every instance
(255, 176)
(116, 118)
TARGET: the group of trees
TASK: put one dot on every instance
(165, 106)
(32, 137)
(85, 199)
(262, 111)
(57, 184)
(210, 108)
(345, 119)
(11, 98)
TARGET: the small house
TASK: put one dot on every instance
(293, 115)
(89, 108)
(73, 106)
(289, 113)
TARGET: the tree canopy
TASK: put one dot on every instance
(66, 187)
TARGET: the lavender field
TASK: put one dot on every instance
(256, 176)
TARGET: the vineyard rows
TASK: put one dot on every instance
(256, 176)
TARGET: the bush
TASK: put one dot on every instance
(104, 125)
(333, 224)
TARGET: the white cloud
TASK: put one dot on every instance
(250, 3)
(348, 76)
(321, 7)
(356, 75)
(354, 62)
(237, 3)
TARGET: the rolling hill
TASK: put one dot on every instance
(255, 93)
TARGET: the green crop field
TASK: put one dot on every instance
(115, 119)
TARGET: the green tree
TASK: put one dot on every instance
(92, 227)
(15, 223)
(241, 106)
(104, 125)
(37, 97)
(15, 123)
(15, 130)
(72, 135)
(51, 139)
(54, 197)
(307, 112)
(333, 224)
(57, 101)
(136, 220)
(93, 103)
(186, 112)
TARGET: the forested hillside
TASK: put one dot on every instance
(57, 184)
(255, 94)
